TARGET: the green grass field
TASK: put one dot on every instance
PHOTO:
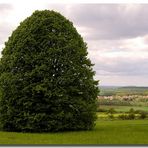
(119, 90)
(105, 132)
(124, 108)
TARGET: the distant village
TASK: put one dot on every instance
(125, 98)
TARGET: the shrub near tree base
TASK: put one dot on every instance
(46, 79)
(130, 116)
(143, 115)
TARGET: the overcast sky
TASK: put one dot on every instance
(116, 34)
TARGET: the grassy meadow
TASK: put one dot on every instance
(105, 132)
(124, 108)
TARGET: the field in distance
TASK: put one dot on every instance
(117, 101)
(124, 108)
(120, 90)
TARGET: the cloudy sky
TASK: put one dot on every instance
(116, 34)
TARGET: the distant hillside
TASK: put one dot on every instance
(108, 90)
(120, 90)
(134, 87)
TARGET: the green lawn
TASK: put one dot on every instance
(105, 132)
(124, 108)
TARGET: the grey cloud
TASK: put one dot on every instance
(4, 8)
(5, 27)
(5, 30)
(122, 67)
(111, 21)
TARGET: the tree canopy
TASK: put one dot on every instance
(46, 78)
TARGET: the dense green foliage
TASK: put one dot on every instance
(105, 132)
(46, 79)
